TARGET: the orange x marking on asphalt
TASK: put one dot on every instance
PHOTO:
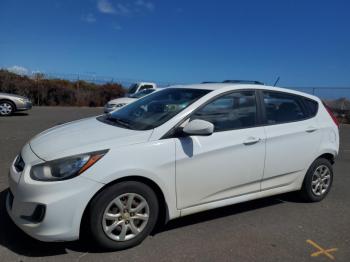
(321, 251)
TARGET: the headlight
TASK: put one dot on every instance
(65, 168)
(120, 105)
(23, 100)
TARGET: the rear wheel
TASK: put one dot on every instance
(318, 181)
(123, 215)
(6, 108)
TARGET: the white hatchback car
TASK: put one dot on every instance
(175, 152)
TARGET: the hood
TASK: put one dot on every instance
(123, 100)
(82, 136)
(12, 95)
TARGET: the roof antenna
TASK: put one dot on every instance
(277, 80)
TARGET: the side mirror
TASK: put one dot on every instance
(199, 128)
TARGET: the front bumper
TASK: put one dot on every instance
(22, 106)
(107, 109)
(64, 203)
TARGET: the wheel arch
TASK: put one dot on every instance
(9, 101)
(329, 156)
(163, 207)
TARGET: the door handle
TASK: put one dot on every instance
(311, 129)
(251, 141)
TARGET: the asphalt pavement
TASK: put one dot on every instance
(279, 228)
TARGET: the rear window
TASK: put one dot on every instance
(312, 106)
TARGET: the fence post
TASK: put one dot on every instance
(78, 91)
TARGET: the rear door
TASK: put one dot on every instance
(292, 138)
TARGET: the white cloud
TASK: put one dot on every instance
(147, 5)
(19, 70)
(105, 6)
(120, 8)
(88, 18)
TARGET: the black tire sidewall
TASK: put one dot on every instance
(100, 202)
(307, 185)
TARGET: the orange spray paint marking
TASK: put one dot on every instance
(321, 251)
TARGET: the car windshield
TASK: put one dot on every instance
(133, 88)
(155, 109)
(142, 93)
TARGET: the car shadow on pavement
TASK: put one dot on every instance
(222, 212)
(18, 114)
(14, 239)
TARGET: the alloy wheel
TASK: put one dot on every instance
(321, 180)
(125, 217)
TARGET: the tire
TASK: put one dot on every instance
(109, 233)
(313, 190)
(7, 108)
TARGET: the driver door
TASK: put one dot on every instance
(229, 162)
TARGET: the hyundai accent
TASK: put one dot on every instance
(172, 153)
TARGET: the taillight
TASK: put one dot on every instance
(330, 112)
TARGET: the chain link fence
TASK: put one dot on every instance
(338, 98)
(92, 78)
(330, 92)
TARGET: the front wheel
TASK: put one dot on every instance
(123, 215)
(6, 108)
(318, 181)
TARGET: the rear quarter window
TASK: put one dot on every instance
(311, 106)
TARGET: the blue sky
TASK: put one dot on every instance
(305, 42)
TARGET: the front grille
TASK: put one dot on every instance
(19, 164)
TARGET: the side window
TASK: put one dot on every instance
(146, 87)
(312, 106)
(282, 108)
(233, 111)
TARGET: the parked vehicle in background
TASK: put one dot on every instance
(137, 87)
(120, 102)
(10, 103)
(175, 152)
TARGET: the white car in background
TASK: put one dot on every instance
(140, 86)
(118, 103)
(178, 151)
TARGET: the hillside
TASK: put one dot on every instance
(58, 92)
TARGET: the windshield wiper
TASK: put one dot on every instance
(119, 121)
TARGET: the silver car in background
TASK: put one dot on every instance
(10, 103)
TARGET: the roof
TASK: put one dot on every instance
(231, 86)
(206, 86)
(146, 83)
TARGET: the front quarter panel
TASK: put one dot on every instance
(154, 160)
